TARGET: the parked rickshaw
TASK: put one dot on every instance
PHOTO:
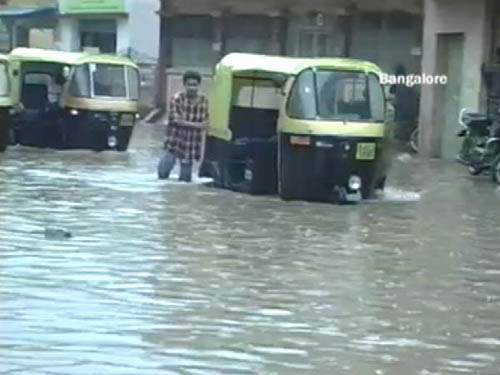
(5, 103)
(73, 100)
(308, 129)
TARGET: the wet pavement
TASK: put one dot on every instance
(105, 270)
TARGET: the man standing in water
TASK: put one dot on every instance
(188, 119)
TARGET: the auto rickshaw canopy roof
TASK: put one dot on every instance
(68, 58)
(254, 66)
(245, 62)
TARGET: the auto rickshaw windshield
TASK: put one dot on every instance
(337, 96)
(105, 81)
(4, 80)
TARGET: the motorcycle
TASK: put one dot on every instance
(481, 145)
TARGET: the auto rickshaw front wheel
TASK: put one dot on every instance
(285, 181)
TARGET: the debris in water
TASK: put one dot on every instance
(57, 233)
(405, 157)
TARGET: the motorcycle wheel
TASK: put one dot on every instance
(414, 140)
(496, 171)
(473, 170)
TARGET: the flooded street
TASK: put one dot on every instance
(160, 277)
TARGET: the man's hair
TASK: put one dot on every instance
(191, 74)
(400, 70)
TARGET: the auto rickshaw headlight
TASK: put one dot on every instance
(74, 112)
(355, 182)
(112, 141)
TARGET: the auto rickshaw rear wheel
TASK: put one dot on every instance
(4, 137)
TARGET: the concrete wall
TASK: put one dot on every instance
(452, 16)
(67, 36)
(144, 26)
(123, 34)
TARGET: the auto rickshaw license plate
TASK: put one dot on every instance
(302, 141)
(127, 120)
(365, 151)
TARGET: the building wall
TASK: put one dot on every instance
(31, 3)
(123, 34)
(330, 35)
(457, 16)
(144, 27)
(67, 35)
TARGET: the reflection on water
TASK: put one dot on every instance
(160, 277)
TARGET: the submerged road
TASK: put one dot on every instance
(160, 277)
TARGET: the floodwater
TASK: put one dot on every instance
(105, 270)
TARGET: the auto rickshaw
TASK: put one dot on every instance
(5, 103)
(307, 129)
(74, 100)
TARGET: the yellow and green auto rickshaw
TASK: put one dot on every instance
(5, 103)
(308, 129)
(73, 100)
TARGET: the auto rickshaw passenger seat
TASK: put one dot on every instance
(357, 108)
(35, 96)
(256, 123)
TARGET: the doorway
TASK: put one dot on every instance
(450, 49)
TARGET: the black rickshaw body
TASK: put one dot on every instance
(306, 129)
(73, 100)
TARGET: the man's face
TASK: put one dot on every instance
(192, 87)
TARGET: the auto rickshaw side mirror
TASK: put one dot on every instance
(66, 73)
(281, 90)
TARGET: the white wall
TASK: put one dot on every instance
(67, 38)
(123, 34)
(457, 16)
(144, 26)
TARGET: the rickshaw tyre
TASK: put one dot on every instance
(4, 137)
(124, 138)
(380, 185)
(98, 148)
(474, 171)
(496, 171)
(284, 191)
(4, 141)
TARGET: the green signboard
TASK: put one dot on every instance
(91, 6)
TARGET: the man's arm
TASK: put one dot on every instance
(192, 124)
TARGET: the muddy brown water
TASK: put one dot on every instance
(171, 278)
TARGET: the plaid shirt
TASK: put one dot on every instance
(185, 142)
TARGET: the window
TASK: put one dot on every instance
(313, 43)
(193, 38)
(100, 34)
(343, 96)
(133, 83)
(53, 88)
(80, 84)
(302, 103)
(334, 95)
(4, 80)
(106, 81)
(109, 80)
(377, 98)
(249, 34)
